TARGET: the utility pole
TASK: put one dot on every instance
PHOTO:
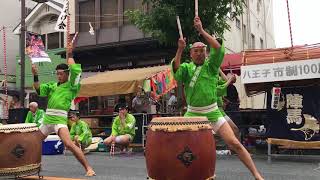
(22, 47)
(22, 50)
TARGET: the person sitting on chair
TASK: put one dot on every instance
(123, 128)
(80, 132)
(15, 103)
(35, 115)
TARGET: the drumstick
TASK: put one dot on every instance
(179, 27)
(196, 8)
(112, 149)
(74, 38)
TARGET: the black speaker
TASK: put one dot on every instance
(17, 116)
(139, 122)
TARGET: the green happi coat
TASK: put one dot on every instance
(61, 96)
(82, 130)
(35, 117)
(201, 90)
(129, 128)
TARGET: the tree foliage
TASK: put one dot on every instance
(160, 20)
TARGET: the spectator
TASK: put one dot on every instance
(80, 132)
(123, 128)
(15, 103)
(172, 102)
(35, 115)
(232, 98)
(122, 100)
(141, 102)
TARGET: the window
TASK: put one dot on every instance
(53, 19)
(44, 40)
(55, 40)
(244, 33)
(238, 23)
(131, 5)
(258, 5)
(109, 13)
(261, 43)
(253, 44)
(86, 15)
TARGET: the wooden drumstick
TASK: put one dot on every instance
(74, 38)
(196, 8)
(112, 149)
(179, 27)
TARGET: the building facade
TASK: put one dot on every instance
(252, 30)
(107, 40)
(9, 18)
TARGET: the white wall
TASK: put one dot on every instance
(255, 23)
(10, 17)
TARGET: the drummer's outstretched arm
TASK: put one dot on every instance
(36, 83)
(177, 58)
(69, 55)
(223, 75)
(210, 39)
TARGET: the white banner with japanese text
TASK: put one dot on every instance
(283, 71)
(61, 24)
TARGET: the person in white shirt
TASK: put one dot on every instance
(172, 102)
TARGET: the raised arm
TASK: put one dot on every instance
(69, 55)
(177, 58)
(210, 39)
(230, 80)
(223, 75)
(36, 83)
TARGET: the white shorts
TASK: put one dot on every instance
(47, 129)
(119, 138)
(228, 118)
(216, 125)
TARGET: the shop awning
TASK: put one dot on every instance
(232, 63)
(118, 81)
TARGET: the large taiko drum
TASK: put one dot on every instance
(180, 148)
(20, 150)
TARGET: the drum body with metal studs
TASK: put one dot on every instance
(180, 148)
(20, 149)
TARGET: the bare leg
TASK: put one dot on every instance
(124, 140)
(228, 136)
(122, 143)
(65, 137)
(234, 128)
(108, 140)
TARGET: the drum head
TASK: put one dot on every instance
(25, 127)
(174, 124)
(180, 119)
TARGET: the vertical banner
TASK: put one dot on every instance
(35, 48)
(297, 115)
(61, 25)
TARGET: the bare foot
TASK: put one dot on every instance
(90, 173)
(259, 177)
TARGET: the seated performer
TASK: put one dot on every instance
(200, 82)
(60, 94)
(123, 128)
(80, 132)
(35, 115)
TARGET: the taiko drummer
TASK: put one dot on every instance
(200, 81)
